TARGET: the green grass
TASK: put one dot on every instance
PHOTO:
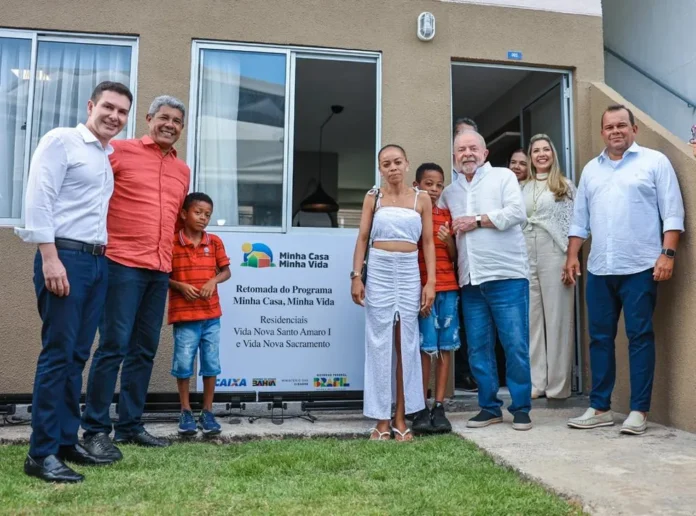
(439, 475)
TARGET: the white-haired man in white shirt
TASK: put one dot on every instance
(487, 212)
(630, 202)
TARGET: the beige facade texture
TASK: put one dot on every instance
(416, 97)
(674, 391)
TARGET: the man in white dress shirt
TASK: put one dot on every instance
(487, 212)
(630, 202)
(70, 184)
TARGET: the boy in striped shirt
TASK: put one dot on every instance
(439, 327)
(199, 263)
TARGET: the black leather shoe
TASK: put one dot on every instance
(145, 438)
(77, 454)
(51, 469)
(100, 447)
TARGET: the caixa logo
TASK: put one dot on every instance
(331, 381)
(231, 382)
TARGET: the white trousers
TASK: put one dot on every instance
(551, 321)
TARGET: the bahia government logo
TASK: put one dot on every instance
(263, 382)
(257, 255)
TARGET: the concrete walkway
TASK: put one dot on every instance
(605, 471)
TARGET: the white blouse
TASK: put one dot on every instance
(544, 211)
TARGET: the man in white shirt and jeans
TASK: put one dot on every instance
(70, 184)
(630, 202)
(487, 212)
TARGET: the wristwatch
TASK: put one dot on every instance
(669, 253)
(478, 221)
(354, 275)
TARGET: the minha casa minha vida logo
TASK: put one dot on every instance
(260, 256)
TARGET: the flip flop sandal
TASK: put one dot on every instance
(402, 436)
(380, 435)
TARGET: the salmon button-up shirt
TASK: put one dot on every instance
(149, 191)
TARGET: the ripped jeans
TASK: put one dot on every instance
(440, 330)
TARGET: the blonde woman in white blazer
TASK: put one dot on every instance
(549, 202)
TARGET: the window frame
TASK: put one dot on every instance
(291, 52)
(36, 37)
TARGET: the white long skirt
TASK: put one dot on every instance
(392, 295)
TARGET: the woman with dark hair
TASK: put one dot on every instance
(393, 219)
(549, 199)
(518, 163)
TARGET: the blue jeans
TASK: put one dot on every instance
(501, 305)
(440, 330)
(606, 296)
(129, 334)
(191, 336)
(67, 333)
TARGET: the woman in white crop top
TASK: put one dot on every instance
(393, 296)
(549, 200)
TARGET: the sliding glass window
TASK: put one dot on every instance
(283, 137)
(45, 82)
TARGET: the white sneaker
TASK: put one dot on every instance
(636, 423)
(591, 419)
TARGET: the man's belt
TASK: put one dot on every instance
(76, 245)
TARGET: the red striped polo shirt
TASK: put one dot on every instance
(445, 278)
(195, 265)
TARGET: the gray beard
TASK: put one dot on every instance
(468, 169)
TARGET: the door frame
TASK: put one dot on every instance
(564, 98)
(567, 99)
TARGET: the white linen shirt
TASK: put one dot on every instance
(623, 205)
(69, 187)
(488, 254)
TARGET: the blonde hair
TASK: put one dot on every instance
(556, 182)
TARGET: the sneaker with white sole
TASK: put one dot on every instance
(521, 421)
(591, 419)
(483, 419)
(636, 423)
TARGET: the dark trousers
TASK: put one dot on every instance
(69, 325)
(461, 356)
(636, 294)
(129, 336)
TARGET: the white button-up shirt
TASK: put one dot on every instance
(488, 254)
(70, 184)
(626, 205)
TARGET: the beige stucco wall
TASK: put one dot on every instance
(674, 391)
(415, 87)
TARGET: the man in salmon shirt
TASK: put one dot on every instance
(150, 184)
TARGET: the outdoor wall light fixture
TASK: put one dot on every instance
(319, 201)
(426, 26)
